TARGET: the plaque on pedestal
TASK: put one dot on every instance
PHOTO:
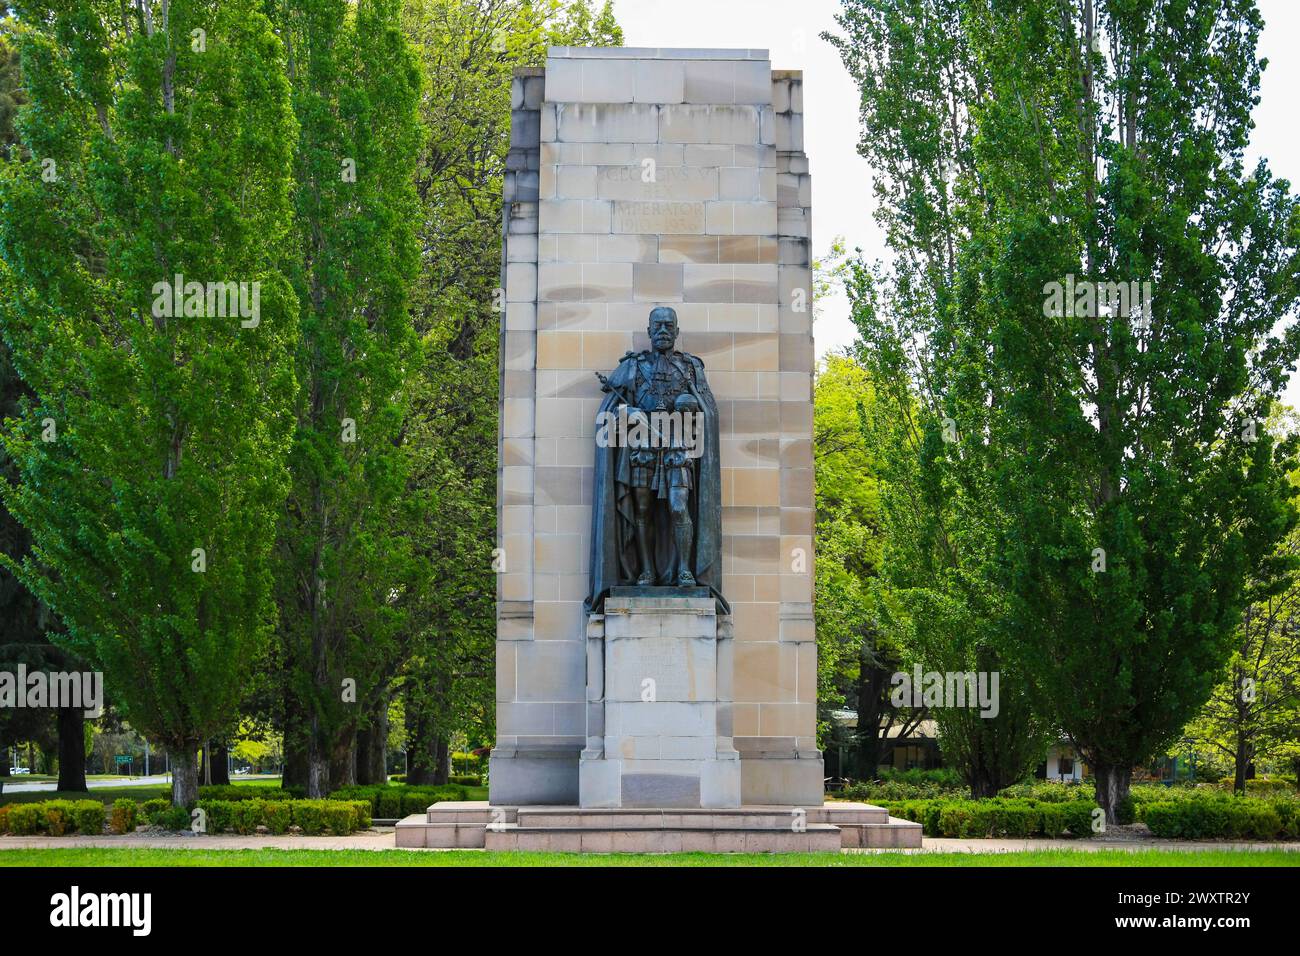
(659, 703)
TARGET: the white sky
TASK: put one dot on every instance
(842, 201)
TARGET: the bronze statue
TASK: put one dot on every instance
(657, 498)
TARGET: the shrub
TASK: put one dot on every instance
(1045, 792)
(388, 803)
(152, 810)
(174, 818)
(339, 816)
(248, 815)
(4, 818)
(361, 809)
(122, 819)
(25, 818)
(232, 793)
(277, 816)
(309, 816)
(466, 780)
(1224, 817)
(997, 817)
(943, 778)
(219, 815)
(89, 815)
(58, 817)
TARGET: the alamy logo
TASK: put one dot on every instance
(75, 909)
(935, 689)
(1084, 298)
(676, 430)
(208, 300)
(83, 690)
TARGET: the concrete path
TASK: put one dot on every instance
(382, 838)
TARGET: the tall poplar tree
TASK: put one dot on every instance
(1027, 155)
(150, 455)
(344, 565)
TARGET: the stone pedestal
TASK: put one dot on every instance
(659, 704)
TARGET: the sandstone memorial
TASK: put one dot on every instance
(656, 662)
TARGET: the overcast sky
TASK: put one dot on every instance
(842, 202)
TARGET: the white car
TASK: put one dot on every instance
(18, 771)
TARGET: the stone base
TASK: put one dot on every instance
(825, 828)
(708, 784)
(533, 777)
(782, 781)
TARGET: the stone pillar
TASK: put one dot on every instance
(658, 673)
(637, 178)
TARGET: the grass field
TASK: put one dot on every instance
(74, 856)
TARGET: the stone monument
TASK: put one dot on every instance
(656, 663)
(638, 179)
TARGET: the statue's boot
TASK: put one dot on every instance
(684, 536)
(647, 576)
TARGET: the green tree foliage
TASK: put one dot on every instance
(341, 566)
(11, 91)
(1016, 146)
(468, 50)
(854, 659)
(151, 454)
(1253, 715)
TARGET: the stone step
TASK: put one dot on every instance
(416, 831)
(470, 811)
(817, 838)
(841, 813)
(894, 834)
(674, 819)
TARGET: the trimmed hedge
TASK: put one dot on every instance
(997, 817)
(60, 817)
(123, 816)
(335, 817)
(1223, 817)
(230, 792)
(55, 817)
(395, 802)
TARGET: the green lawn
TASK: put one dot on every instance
(74, 856)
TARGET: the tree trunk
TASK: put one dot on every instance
(72, 749)
(1111, 783)
(295, 762)
(220, 762)
(442, 768)
(343, 759)
(870, 704)
(185, 773)
(372, 747)
(318, 763)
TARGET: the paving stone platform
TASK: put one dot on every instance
(756, 829)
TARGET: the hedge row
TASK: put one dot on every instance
(1222, 817)
(60, 817)
(335, 817)
(53, 817)
(392, 803)
(232, 792)
(997, 817)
